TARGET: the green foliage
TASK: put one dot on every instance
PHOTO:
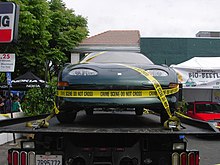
(182, 106)
(39, 100)
(47, 32)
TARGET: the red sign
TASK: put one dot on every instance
(8, 22)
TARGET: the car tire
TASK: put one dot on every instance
(139, 111)
(89, 112)
(66, 117)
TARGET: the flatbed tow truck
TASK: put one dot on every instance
(119, 138)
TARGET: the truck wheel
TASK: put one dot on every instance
(89, 112)
(139, 111)
(66, 117)
(163, 116)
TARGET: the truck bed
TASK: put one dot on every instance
(108, 122)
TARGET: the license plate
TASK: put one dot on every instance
(48, 159)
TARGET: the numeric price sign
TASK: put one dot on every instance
(7, 62)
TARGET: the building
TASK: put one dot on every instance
(176, 50)
(160, 50)
(112, 40)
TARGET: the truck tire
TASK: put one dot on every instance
(139, 111)
(66, 117)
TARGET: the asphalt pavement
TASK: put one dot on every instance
(208, 146)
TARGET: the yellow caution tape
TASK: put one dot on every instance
(113, 93)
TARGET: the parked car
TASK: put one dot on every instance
(103, 81)
(204, 110)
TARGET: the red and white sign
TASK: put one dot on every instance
(8, 21)
(7, 62)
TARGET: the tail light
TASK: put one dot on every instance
(183, 158)
(62, 84)
(175, 158)
(15, 158)
(9, 158)
(191, 158)
(197, 158)
(23, 158)
(31, 158)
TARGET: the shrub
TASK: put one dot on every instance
(39, 100)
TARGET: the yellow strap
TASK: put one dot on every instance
(182, 115)
(217, 127)
(5, 115)
(156, 85)
(95, 56)
(172, 123)
(56, 110)
(44, 123)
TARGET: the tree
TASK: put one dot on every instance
(47, 32)
(67, 31)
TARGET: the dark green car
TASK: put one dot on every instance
(108, 81)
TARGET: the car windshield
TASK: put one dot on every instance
(117, 57)
(208, 108)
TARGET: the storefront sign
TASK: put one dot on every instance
(8, 22)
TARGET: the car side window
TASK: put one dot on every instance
(200, 108)
(216, 108)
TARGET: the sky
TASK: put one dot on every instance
(153, 18)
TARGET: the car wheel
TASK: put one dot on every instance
(89, 112)
(66, 117)
(139, 111)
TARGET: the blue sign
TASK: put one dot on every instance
(8, 75)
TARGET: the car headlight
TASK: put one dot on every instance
(157, 72)
(83, 72)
